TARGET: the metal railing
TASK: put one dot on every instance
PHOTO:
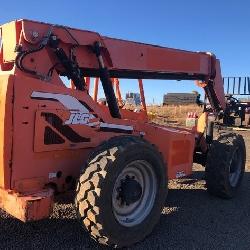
(237, 85)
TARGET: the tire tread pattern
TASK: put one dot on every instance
(218, 161)
(90, 182)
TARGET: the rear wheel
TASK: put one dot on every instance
(225, 165)
(121, 191)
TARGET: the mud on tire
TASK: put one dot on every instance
(98, 183)
(225, 165)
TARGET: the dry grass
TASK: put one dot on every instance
(172, 114)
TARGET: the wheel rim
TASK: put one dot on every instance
(235, 168)
(139, 178)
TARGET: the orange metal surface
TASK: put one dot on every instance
(118, 55)
(68, 157)
(48, 130)
(87, 82)
(96, 86)
(117, 91)
(6, 124)
(142, 95)
(28, 207)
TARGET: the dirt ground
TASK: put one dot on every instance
(191, 219)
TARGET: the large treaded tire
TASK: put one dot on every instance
(95, 185)
(221, 162)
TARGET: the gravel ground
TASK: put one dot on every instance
(191, 219)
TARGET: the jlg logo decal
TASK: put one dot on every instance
(80, 118)
(80, 114)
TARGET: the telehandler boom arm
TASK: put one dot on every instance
(41, 49)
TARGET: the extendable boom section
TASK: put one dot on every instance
(47, 51)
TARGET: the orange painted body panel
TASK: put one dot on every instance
(44, 160)
(32, 206)
(48, 130)
(6, 123)
(176, 145)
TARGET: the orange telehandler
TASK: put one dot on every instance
(56, 137)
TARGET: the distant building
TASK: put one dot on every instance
(133, 98)
(180, 98)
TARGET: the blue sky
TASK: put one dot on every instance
(221, 26)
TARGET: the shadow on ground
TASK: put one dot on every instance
(191, 219)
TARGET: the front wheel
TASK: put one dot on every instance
(121, 192)
(225, 165)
